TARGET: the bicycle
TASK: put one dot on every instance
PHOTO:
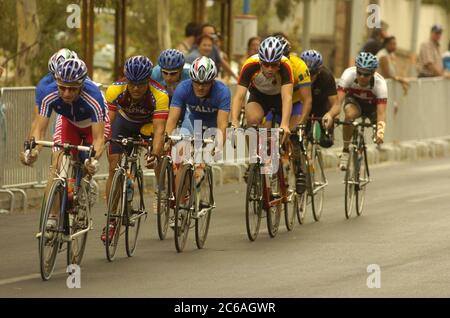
(266, 192)
(357, 175)
(312, 164)
(190, 203)
(124, 208)
(73, 221)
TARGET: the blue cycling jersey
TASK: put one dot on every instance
(206, 108)
(88, 108)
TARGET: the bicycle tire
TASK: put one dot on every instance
(349, 185)
(80, 221)
(132, 222)
(253, 202)
(47, 259)
(290, 207)
(274, 212)
(182, 210)
(363, 177)
(163, 197)
(202, 223)
(115, 213)
(317, 181)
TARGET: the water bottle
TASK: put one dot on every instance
(129, 190)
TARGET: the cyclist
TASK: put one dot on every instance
(301, 108)
(83, 113)
(140, 105)
(200, 98)
(363, 92)
(171, 70)
(269, 78)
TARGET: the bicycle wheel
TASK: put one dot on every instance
(116, 208)
(80, 220)
(253, 201)
(363, 179)
(183, 207)
(274, 212)
(204, 200)
(350, 185)
(50, 240)
(318, 183)
(291, 207)
(134, 212)
(164, 195)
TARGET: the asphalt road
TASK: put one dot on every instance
(405, 230)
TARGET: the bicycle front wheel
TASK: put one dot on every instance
(79, 221)
(253, 202)
(184, 207)
(164, 195)
(291, 207)
(350, 185)
(204, 204)
(134, 212)
(363, 180)
(318, 184)
(50, 239)
(116, 208)
(274, 212)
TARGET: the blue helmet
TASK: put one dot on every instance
(138, 68)
(367, 61)
(270, 50)
(71, 72)
(313, 60)
(171, 59)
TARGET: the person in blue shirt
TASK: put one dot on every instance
(201, 98)
(171, 70)
(446, 59)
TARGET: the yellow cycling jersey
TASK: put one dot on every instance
(301, 75)
(154, 104)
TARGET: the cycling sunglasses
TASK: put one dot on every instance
(364, 74)
(170, 72)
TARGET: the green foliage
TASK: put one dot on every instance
(443, 3)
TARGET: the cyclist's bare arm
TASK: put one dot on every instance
(286, 99)
(159, 126)
(381, 112)
(340, 97)
(39, 128)
(335, 109)
(174, 115)
(222, 123)
(236, 104)
(98, 139)
(306, 97)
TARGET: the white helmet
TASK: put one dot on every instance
(60, 56)
(203, 70)
(270, 50)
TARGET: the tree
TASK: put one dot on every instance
(163, 22)
(27, 40)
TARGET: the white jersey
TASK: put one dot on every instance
(375, 93)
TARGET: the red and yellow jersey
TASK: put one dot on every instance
(252, 77)
(301, 76)
(154, 104)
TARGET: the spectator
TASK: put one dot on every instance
(204, 47)
(252, 49)
(210, 30)
(388, 60)
(190, 33)
(429, 62)
(446, 59)
(375, 43)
